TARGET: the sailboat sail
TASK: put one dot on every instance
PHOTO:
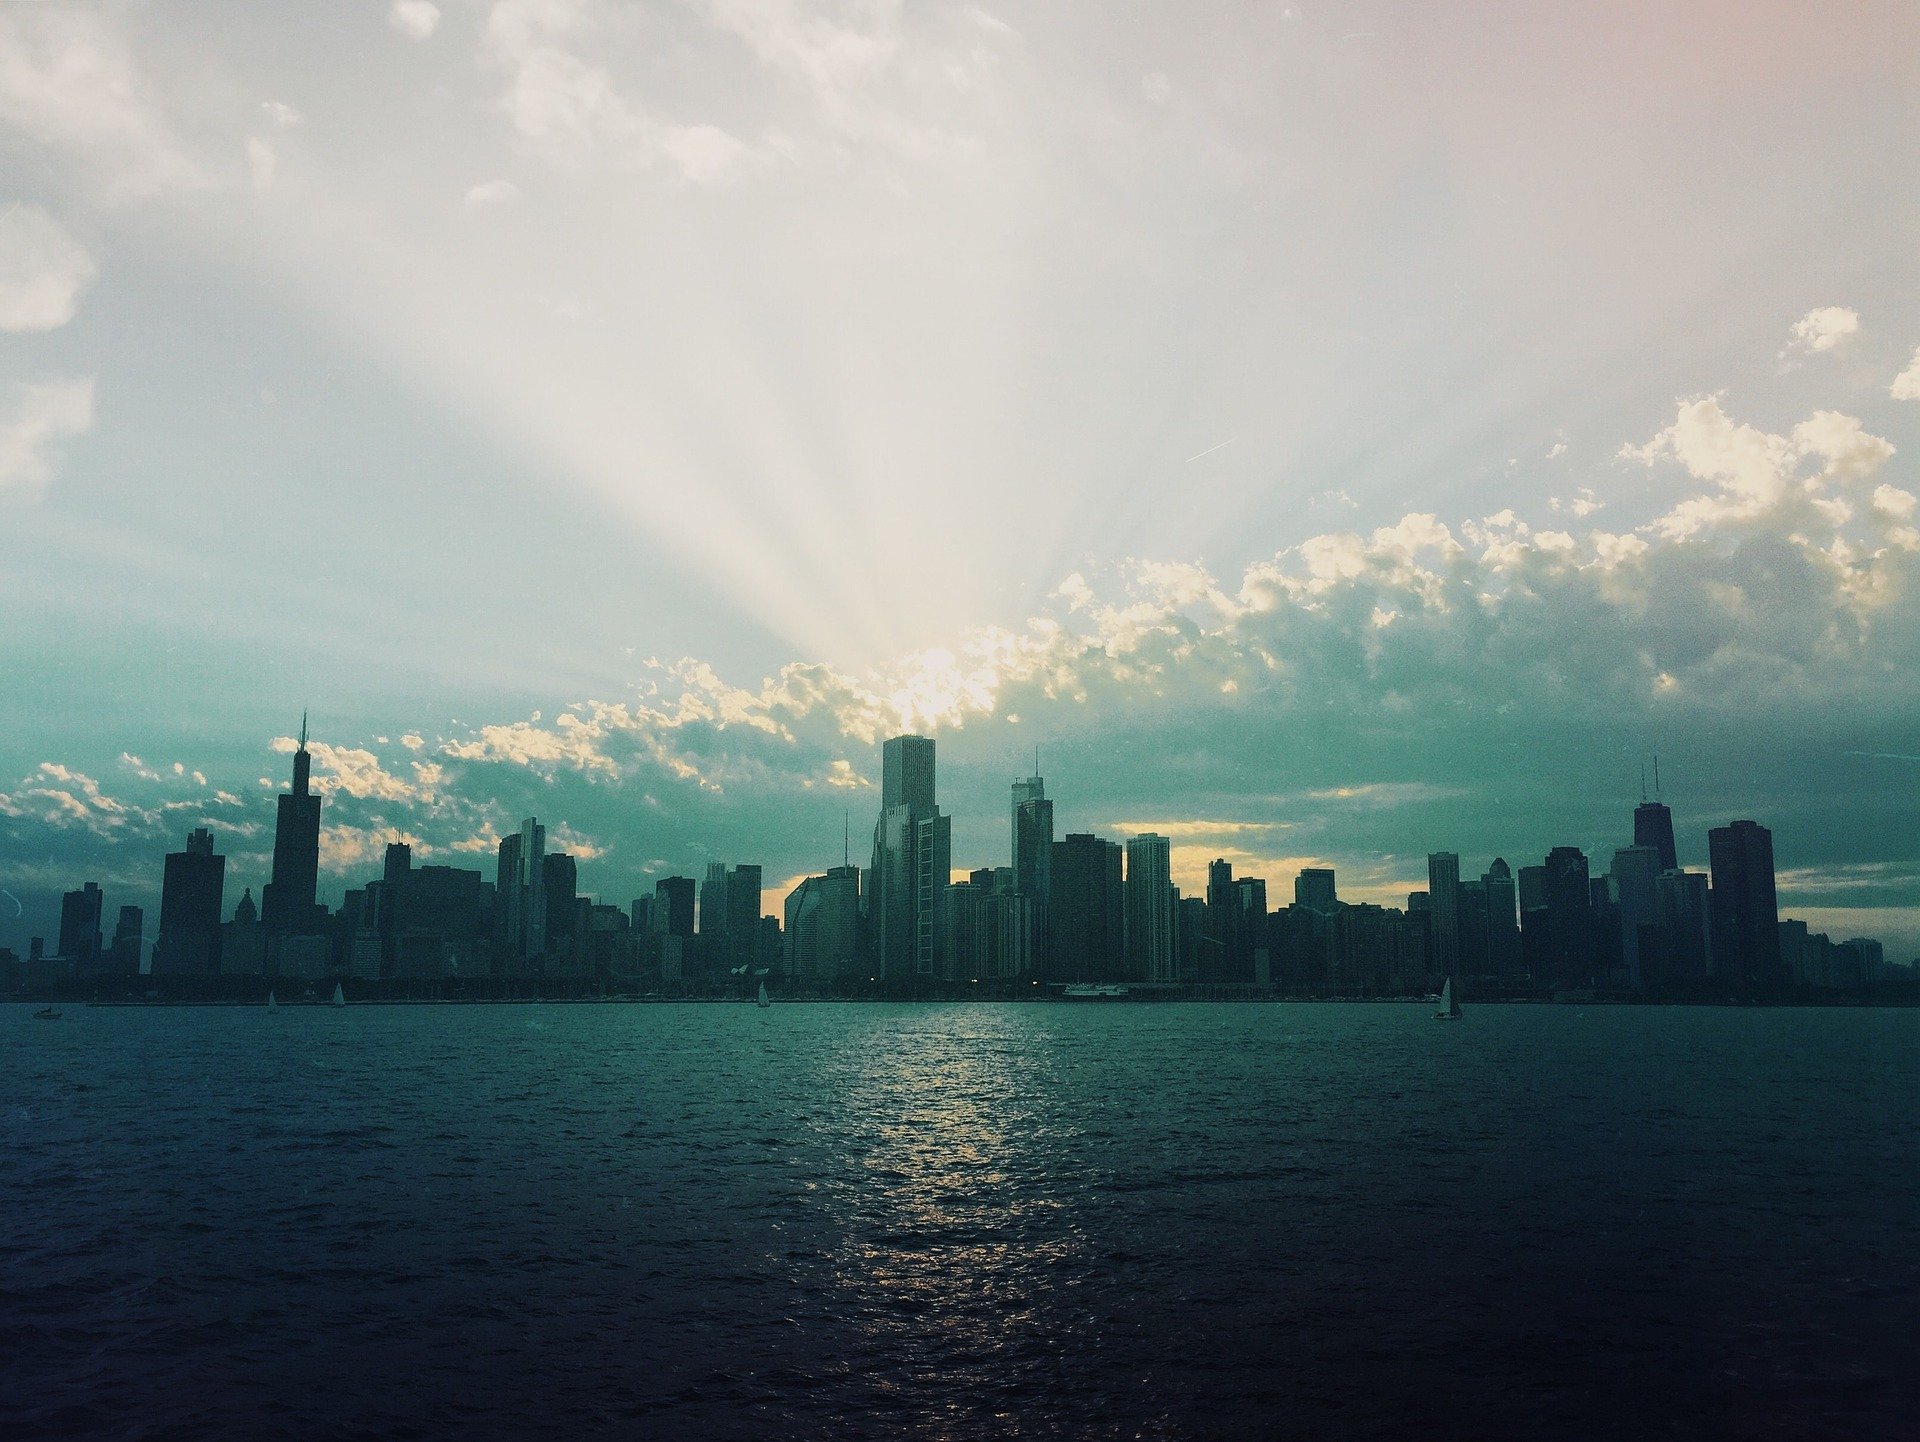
(339, 995)
(764, 1000)
(1449, 1006)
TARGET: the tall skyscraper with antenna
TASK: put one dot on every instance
(1653, 822)
(288, 903)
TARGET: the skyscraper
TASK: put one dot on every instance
(80, 940)
(1087, 910)
(288, 903)
(522, 891)
(1568, 955)
(1314, 889)
(1443, 887)
(1033, 850)
(124, 954)
(1746, 915)
(743, 889)
(1653, 822)
(1634, 885)
(1503, 931)
(190, 894)
(1220, 950)
(1149, 909)
(912, 862)
(822, 936)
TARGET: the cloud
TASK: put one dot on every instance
(492, 192)
(415, 19)
(1821, 329)
(1906, 385)
(68, 80)
(1156, 87)
(34, 421)
(43, 270)
(572, 109)
(262, 162)
(280, 113)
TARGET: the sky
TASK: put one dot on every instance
(1329, 432)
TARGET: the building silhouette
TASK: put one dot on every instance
(520, 883)
(1149, 909)
(289, 902)
(190, 896)
(1745, 924)
(1087, 910)
(80, 939)
(912, 863)
(1443, 905)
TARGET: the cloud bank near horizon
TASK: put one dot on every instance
(1355, 699)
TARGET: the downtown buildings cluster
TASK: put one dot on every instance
(1075, 912)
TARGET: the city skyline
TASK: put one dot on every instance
(1316, 431)
(1064, 910)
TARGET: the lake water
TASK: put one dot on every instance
(1108, 1220)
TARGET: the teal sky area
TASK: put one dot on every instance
(1331, 432)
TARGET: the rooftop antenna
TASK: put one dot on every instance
(1656, 776)
(846, 838)
(1643, 783)
(303, 728)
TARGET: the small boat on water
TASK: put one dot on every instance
(272, 1003)
(339, 995)
(1449, 1004)
(1092, 991)
(46, 1013)
(765, 1000)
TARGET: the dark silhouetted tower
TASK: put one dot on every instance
(190, 896)
(1745, 932)
(288, 901)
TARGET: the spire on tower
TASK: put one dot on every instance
(1643, 782)
(303, 728)
(1656, 776)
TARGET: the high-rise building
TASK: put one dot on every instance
(822, 937)
(713, 908)
(80, 940)
(673, 906)
(1032, 836)
(1746, 915)
(123, 957)
(742, 928)
(289, 903)
(1087, 910)
(1569, 942)
(1149, 909)
(1443, 887)
(1653, 828)
(190, 894)
(1226, 953)
(1634, 884)
(912, 863)
(1314, 889)
(1503, 930)
(521, 888)
(1681, 908)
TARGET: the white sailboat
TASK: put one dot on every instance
(1449, 1006)
(765, 1000)
(272, 1003)
(339, 995)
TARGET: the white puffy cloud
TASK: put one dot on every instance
(68, 81)
(34, 420)
(1820, 329)
(415, 19)
(43, 270)
(1906, 385)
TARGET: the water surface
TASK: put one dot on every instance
(952, 1221)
